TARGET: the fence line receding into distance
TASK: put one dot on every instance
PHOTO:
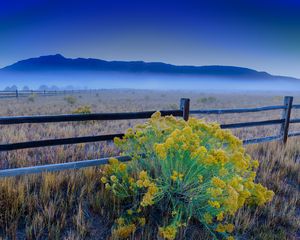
(26, 93)
(184, 111)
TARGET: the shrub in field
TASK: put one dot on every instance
(206, 100)
(70, 99)
(181, 171)
(31, 97)
(83, 110)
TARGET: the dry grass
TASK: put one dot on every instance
(279, 171)
(73, 204)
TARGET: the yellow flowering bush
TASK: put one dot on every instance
(182, 170)
(83, 110)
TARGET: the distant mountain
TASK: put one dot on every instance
(58, 63)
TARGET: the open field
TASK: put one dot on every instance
(74, 205)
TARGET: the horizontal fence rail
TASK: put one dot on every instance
(85, 117)
(56, 142)
(294, 134)
(252, 124)
(184, 112)
(59, 166)
(237, 110)
(296, 106)
(261, 140)
(295, 120)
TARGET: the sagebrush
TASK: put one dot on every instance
(182, 171)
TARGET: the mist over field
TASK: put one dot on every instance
(143, 81)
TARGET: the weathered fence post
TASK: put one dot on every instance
(286, 115)
(185, 107)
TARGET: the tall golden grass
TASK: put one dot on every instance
(74, 205)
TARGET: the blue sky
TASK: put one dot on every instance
(264, 35)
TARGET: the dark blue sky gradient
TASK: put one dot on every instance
(264, 35)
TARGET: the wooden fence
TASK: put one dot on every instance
(27, 93)
(184, 111)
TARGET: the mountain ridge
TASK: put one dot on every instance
(57, 63)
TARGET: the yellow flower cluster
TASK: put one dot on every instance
(260, 195)
(214, 174)
(124, 231)
(152, 190)
(127, 227)
(161, 151)
(177, 176)
(168, 232)
(214, 192)
(217, 182)
(142, 221)
(214, 204)
(220, 216)
(200, 178)
(83, 110)
(225, 228)
(115, 175)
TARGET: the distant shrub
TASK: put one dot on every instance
(31, 97)
(181, 171)
(83, 110)
(147, 98)
(206, 100)
(173, 106)
(70, 99)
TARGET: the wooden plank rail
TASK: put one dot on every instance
(56, 142)
(252, 124)
(261, 140)
(85, 117)
(294, 134)
(295, 120)
(237, 110)
(184, 112)
(58, 167)
(296, 106)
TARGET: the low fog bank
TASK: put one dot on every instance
(144, 81)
